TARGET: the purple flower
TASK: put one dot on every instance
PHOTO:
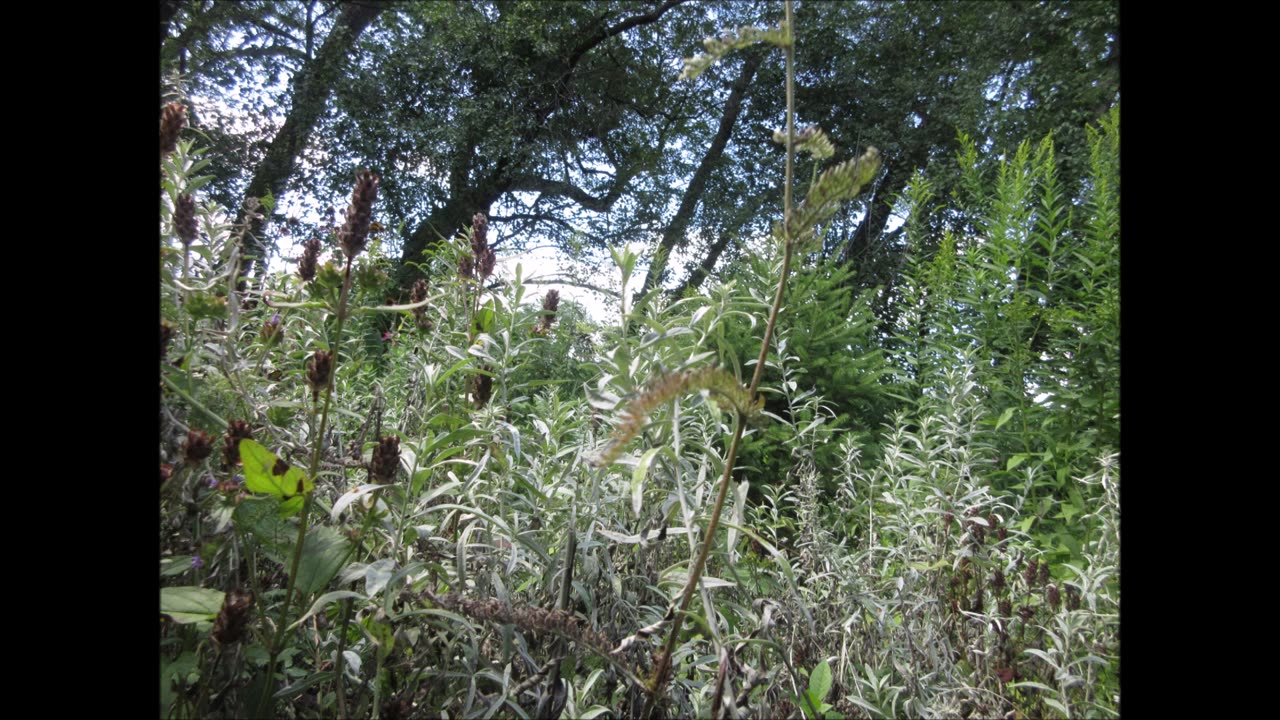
(386, 336)
(196, 562)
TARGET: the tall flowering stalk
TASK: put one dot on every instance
(321, 372)
(477, 266)
(826, 194)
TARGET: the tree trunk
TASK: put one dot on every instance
(311, 89)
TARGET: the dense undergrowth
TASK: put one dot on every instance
(479, 503)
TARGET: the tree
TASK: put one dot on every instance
(916, 75)
(464, 106)
(562, 121)
(312, 83)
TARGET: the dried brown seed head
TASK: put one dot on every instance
(354, 233)
(386, 459)
(310, 256)
(172, 119)
(319, 370)
(184, 219)
(198, 446)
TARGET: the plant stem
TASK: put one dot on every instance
(306, 504)
(695, 571)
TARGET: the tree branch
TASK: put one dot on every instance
(617, 29)
(311, 88)
(558, 188)
(675, 230)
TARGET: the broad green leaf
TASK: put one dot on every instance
(323, 555)
(266, 474)
(184, 670)
(1004, 417)
(189, 604)
(1015, 461)
(820, 681)
(258, 516)
(377, 575)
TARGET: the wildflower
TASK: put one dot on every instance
(172, 120)
(319, 370)
(229, 627)
(196, 562)
(184, 219)
(198, 446)
(166, 472)
(237, 430)
(355, 231)
(307, 263)
(386, 336)
(550, 304)
(386, 459)
(271, 332)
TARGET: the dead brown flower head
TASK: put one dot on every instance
(184, 219)
(386, 459)
(166, 335)
(482, 388)
(237, 430)
(479, 234)
(355, 231)
(486, 263)
(310, 256)
(172, 119)
(319, 370)
(229, 627)
(550, 304)
(198, 446)
(419, 294)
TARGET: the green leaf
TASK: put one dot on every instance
(638, 476)
(1004, 417)
(1016, 460)
(190, 604)
(266, 474)
(323, 554)
(183, 670)
(325, 600)
(820, 681)
(259, 517)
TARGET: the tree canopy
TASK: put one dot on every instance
(562, 121)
